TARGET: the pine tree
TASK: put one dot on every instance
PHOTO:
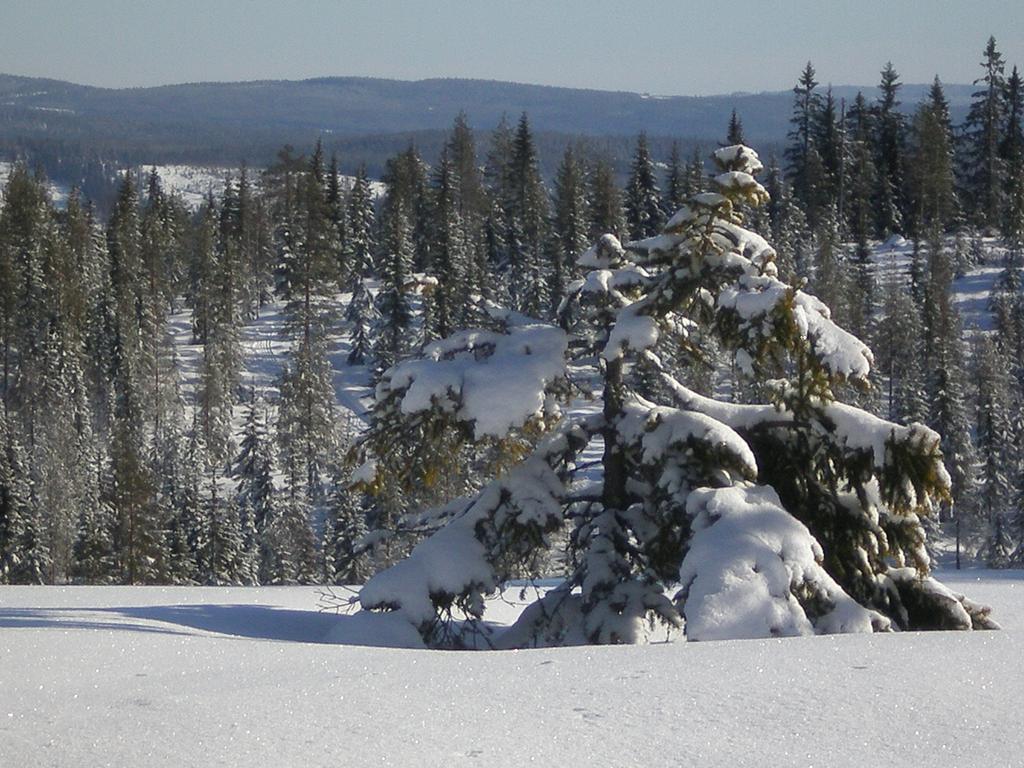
(360, 229)
(24, 558)
(982, 171)
(179, 501)
(734, 134)
(361, 316)
(947, 393)
(462, 149)
(695, 176)
(931, 181)
(217, 313)
(803, 163)
(994, 445)
(406, 180)
(94, 545)
(677, 502)
(830, 151)
(306, 428)
(571, 222)
(288, 543)
(393, 308)
(862, 174)
(138, 538)
(254, 490)
(335, 200)
(222, 556)
(526, 225)
(344, 562)
(898, 347)
(675, 180)
(306, 273)
(644, 216)
(889, 160)
(1012, 154)
(450, 261)
(606, 214)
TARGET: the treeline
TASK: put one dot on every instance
(856, 174)
(112, 470)
(92, 166)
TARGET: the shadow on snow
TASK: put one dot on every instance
(233, 621)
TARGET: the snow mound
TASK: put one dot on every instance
(494, 381)
(754, 571)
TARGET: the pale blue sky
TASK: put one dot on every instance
(657, 46)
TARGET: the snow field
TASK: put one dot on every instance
(176, 676)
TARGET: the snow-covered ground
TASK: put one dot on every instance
(129, 676)
(265, 351)
(194, 182)
(971, 291)
(58, 192)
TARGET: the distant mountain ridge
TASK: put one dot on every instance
(68, 128)
(352, 106)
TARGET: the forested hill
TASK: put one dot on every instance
(213, 122)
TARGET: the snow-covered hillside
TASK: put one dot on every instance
(971, 291)
(128, 676)
(193, 183)
(265, 352)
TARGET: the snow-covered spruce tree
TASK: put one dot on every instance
(797, 516)
(345, 528)
(643, 209)
(995, 450)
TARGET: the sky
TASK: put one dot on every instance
(659, 46)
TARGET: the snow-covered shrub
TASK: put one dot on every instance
(798, 515)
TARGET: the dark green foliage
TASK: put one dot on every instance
(644, 216)
(982, 169)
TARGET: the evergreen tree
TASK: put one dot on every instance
(526, 226)
(139, 537)
(863, 177)
(695, 177)
(450, 263)
(344, 562)
(606, 214)
(675, 181)
(889, 150)
(94, 546)
(24, 558)
(306, 270)
(306, 429)
(361, 317)
(830, 150)
(734, 134)
(360, 229)
(405, 177)
(643, 198)
(571, 222)
(803, 162)
(982, 171)
(393, 307)
(931, 181)
(994, 446)
(677, 502)
(222, 556)
(898, 347)
(1012, 154)
(288, 542)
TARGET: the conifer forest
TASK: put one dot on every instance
(504, 384)
(469, 371)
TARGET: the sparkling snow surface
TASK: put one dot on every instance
(222, 676)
